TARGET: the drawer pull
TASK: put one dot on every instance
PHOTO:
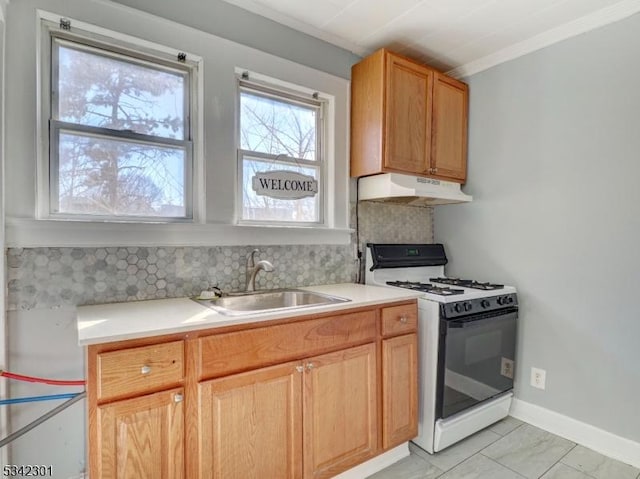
(145, 369)
(300, 368)
(178, 398)
(310, 366)
(403, 319)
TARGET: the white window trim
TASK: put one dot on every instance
(28, 233)
(49, 26)
(325, 155)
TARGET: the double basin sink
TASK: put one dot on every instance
(268, 301)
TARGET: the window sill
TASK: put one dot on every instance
(30, 233)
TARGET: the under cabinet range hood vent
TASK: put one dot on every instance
(410, 190)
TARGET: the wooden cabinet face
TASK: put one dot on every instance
(449, 148)
(400, 391)
(408, 118)
(251, 424)
(340, 411)
(308, 418)
(142, 438)
(139, 370)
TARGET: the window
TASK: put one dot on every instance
(280, 132)
(119, 132)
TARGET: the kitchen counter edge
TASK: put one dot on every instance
(104, 323)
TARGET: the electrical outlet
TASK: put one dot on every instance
(538, 378)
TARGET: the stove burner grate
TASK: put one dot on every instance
(468, 283)
(426, 287)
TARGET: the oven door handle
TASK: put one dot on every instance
(484, 319)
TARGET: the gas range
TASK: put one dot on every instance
(466, 341)
(420, 267)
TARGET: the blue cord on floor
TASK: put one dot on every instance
(51, 397)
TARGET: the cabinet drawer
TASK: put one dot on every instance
(138, 370)
(399, 319)
(242, 350)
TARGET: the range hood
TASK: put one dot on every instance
(410, 190)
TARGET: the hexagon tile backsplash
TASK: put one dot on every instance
(52, 277)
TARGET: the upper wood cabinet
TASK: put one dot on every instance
(407, 118)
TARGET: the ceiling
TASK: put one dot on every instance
(461, 37)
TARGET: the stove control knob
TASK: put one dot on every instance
(458, 308)
(509, 299)
(467, 306)
(485, 303)
(501, 300)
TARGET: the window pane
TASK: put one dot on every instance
(100, 91)
(99, 176)
(264, 208)
(277, 127)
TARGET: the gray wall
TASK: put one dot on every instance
(234, 23)
(46, 284)
(41, 317)
(553, 167)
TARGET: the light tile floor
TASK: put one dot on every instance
(510, 449)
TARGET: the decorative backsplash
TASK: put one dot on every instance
(54, 277)
(51, 277)
(394, 223)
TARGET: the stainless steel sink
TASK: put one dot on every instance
(268, 301)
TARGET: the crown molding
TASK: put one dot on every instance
(592, 21)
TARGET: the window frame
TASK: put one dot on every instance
(110, 44)
(270, 88)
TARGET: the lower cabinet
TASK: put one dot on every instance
(141, 438)
(400, 390)
(303, 399)
(340, 411)
(257, 424)
(251, 424)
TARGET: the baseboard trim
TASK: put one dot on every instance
(376, 464)
(611, 445)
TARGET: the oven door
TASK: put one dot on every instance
(475, 360)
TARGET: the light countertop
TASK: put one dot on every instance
(104, 323)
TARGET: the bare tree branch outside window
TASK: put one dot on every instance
(114, 176)
(288, 131)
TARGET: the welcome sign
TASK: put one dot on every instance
(284, 185)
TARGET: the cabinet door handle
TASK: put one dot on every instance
(300, 368)
(435, 170)
(310, 366)
(404, 319)
(145, 369)
(178, 398)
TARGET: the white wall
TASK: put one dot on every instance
(553, 168)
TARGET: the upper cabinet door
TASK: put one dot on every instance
(408, 116)
(449, 142)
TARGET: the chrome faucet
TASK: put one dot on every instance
(253, 268)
